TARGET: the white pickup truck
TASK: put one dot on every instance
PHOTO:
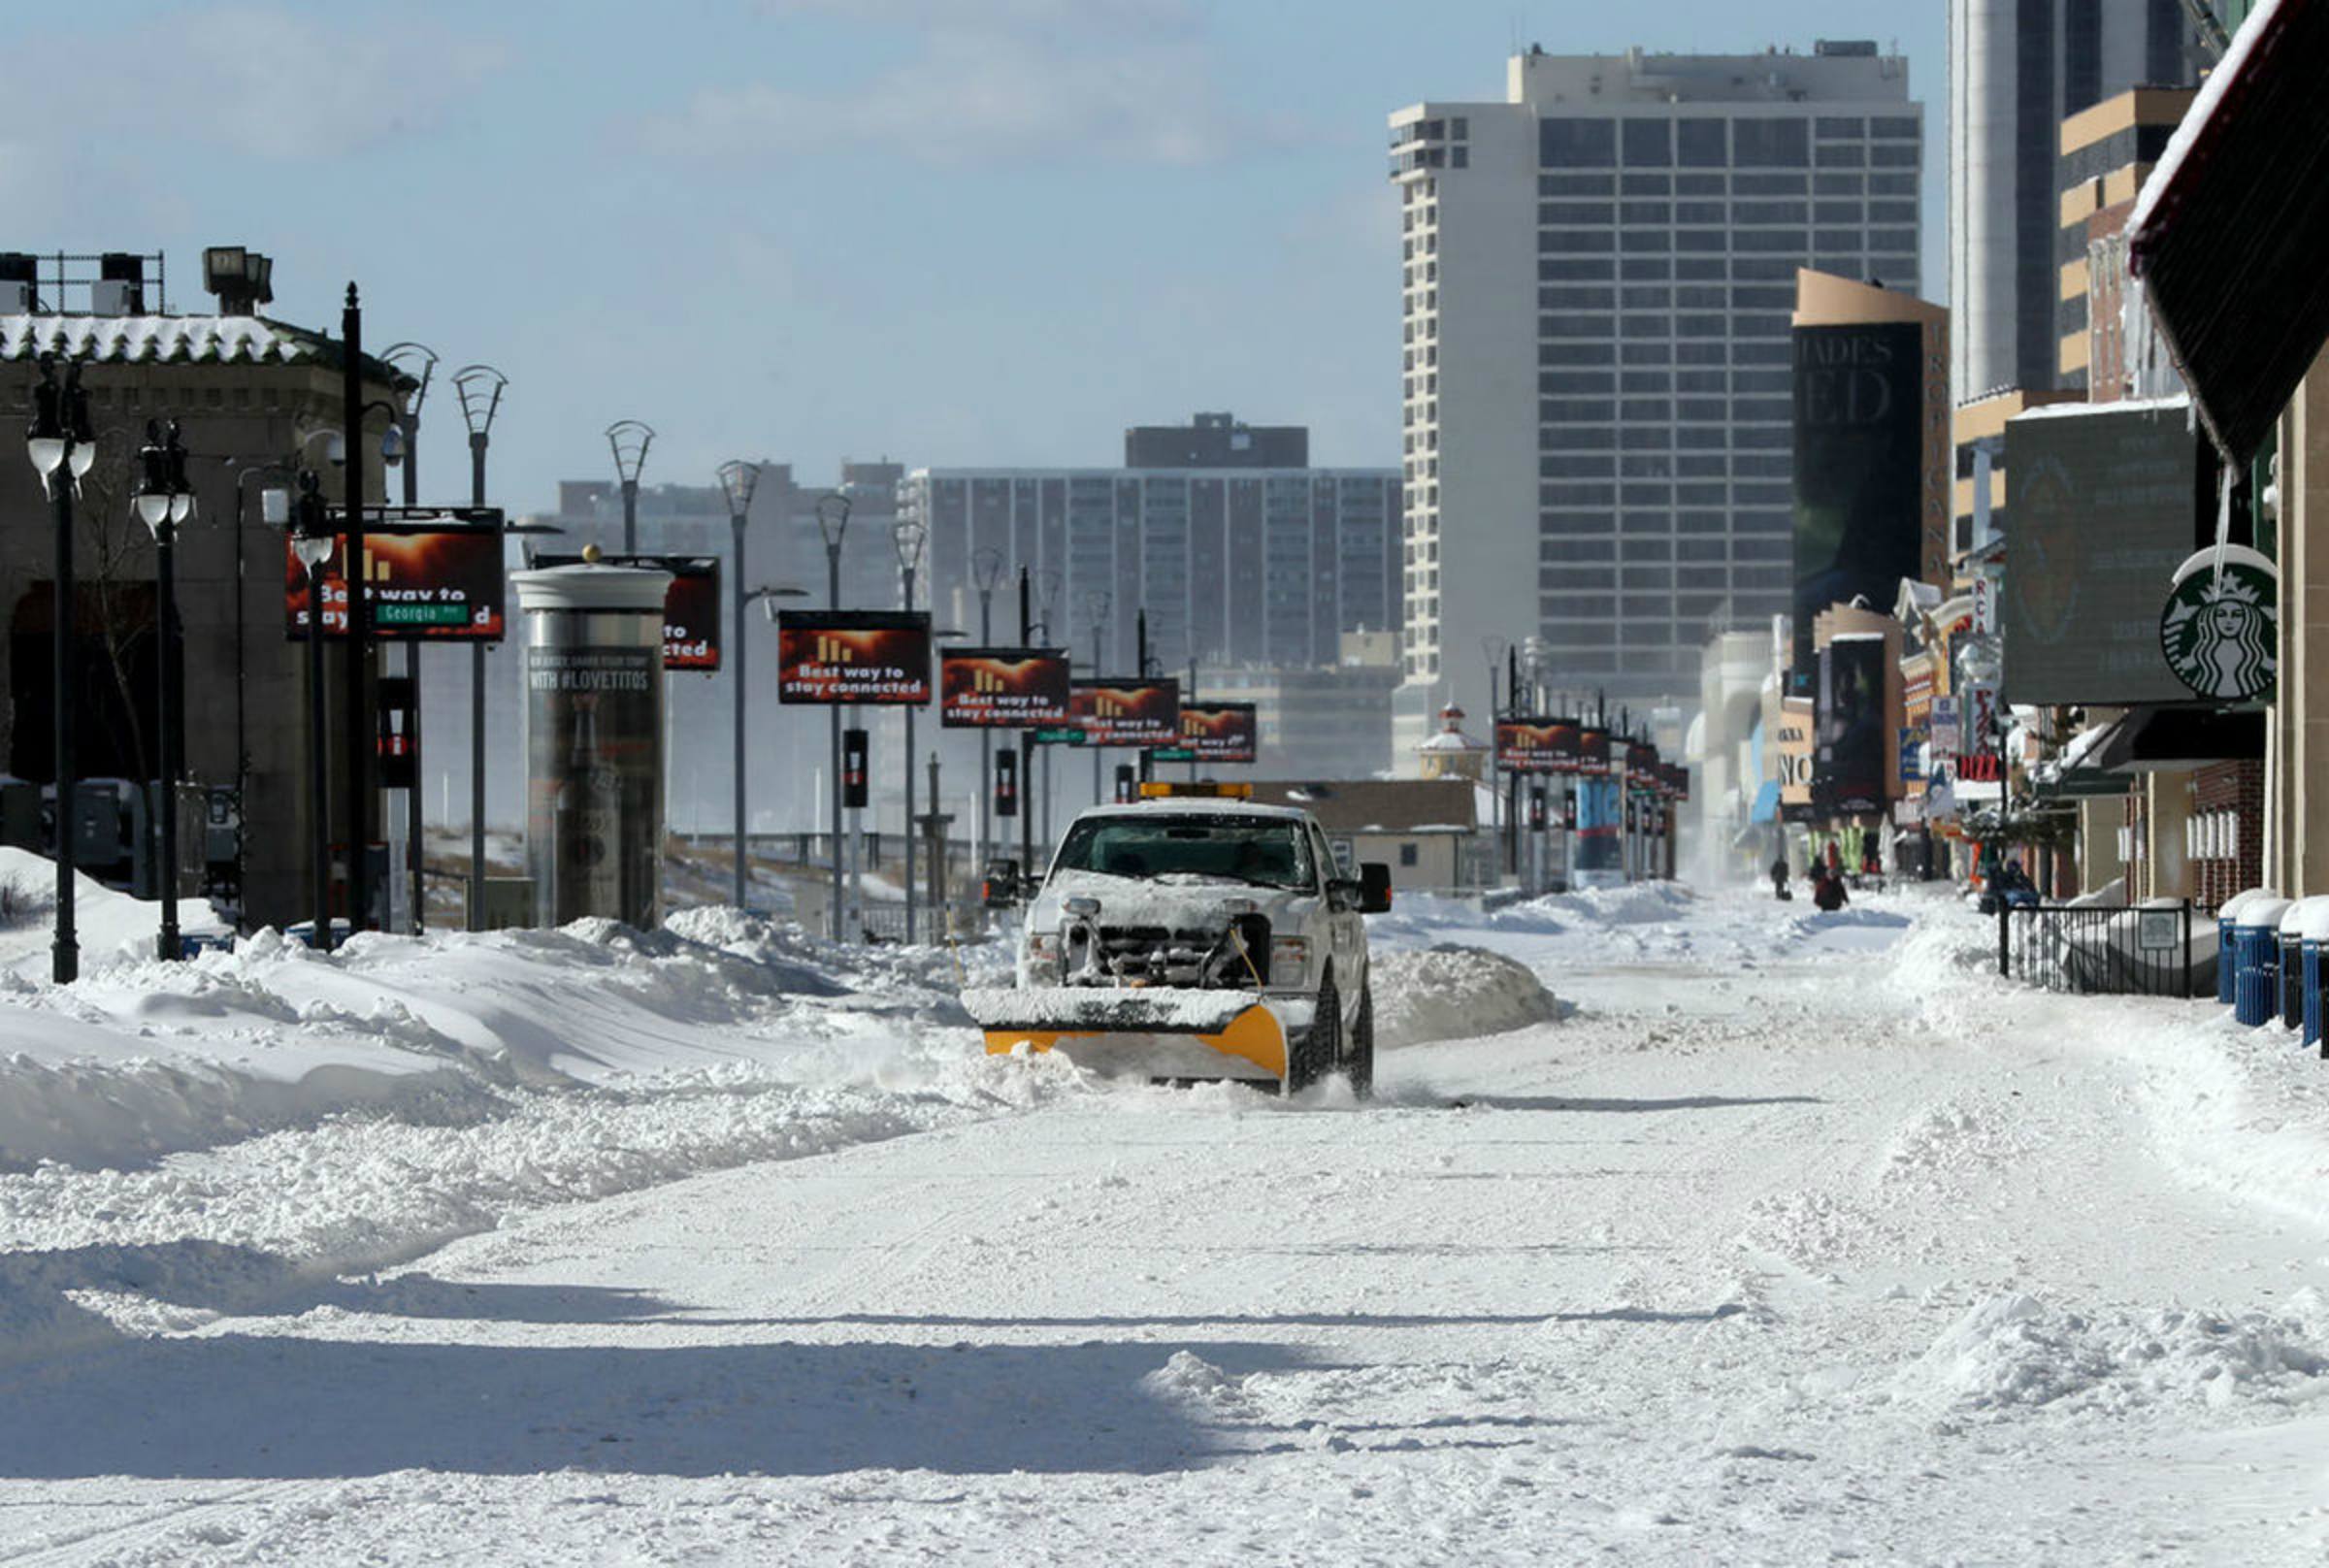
(1195, 934)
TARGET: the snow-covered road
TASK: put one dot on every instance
(1797, 1240)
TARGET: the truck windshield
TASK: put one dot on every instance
(1270, 854)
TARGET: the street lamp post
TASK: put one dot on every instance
(311, 543)
(403, 356)
(1047, 598)
(908, 534)
(479, 388)
(986, 575)
(628, 441)
(164, 501)
(766, 597)
(61, 444)
(738, 480)
(1096, 605)
(358, 718)
(833, 522)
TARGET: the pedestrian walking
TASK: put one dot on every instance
(1828, 892)
(1779, 879)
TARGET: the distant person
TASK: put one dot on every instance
(1828, 892)
(1779, 878)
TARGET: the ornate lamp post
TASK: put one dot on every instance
(164, 501)
(833, 522)
(628, 441)
(58, 440)
(908, 534)
(738, 480)
(479, 389)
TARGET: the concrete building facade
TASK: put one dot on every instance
(1597, 276)
(2017, 70)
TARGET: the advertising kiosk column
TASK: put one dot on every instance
(594, 740)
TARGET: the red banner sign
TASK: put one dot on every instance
(1002, 688)
(1127, 712)
(1536, 745)
(691, 605)
(426, 585)
(853, 656)
(1222, 731)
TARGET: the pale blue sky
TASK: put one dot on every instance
(947, 231)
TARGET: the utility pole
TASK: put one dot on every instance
(1027, 745)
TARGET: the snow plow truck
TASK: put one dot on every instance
(1195, 934)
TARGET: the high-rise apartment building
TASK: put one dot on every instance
(1233, 563)
(2017, 70)
(1597, 279)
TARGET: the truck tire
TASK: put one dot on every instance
(1315, 1055)
(1359, 1066)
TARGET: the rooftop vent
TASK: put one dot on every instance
(18, 277)
(242, 279)
(121, 286)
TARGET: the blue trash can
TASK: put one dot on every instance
(2256, 961)
(2289, 963)
(2312, 933)
(2225, 915)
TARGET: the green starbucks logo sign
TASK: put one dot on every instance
(2221, 630)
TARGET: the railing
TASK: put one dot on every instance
(2113, 950)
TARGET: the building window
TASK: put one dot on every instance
(1649, 143)
(1407, 854)
(1700, 143)
(1772, 143)
(1576, 144)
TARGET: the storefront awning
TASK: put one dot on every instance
(2231, 233)
(1766, 802)
(2146, 740)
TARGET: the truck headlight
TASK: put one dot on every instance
(1289, 959)
(1044, 945)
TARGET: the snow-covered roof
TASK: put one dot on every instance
(1194, 805)
(153, 339)
(2203, 108)
(1451, 740)
(2177, 404)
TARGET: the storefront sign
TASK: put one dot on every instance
(2221, 629)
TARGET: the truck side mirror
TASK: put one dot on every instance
(1375, 888)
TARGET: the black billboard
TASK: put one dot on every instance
(1860, 465)
(2106, 507)
(853, 656)
(1848, 760)
(691, 605)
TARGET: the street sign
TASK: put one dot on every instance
(1059, 734)
(1173, 754)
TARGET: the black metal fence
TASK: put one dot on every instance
(2114, 950)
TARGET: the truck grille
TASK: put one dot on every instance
(1166, 955)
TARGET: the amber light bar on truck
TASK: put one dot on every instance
(1207, 790)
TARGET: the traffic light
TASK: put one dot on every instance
(1536, 808)
(1569, 809)
(1127, 785)
(853, 769)
(1006, 782)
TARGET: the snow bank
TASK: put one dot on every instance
(140, 1059)
(110, 924)
(1449, 992)
(2013, 1350)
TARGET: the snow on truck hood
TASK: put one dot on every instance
(1154, 901)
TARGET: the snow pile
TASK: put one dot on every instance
(1449, 992)
(140, 1059)
(2014, 1352)
(109, 923)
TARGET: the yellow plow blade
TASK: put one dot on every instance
(1255, 1036)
